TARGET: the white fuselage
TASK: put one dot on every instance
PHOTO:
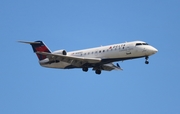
(111, 53)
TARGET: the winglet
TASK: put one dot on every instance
(118, 66)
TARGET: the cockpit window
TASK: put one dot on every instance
(137, 44)
(145, 43)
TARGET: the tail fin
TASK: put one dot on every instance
(38, 46)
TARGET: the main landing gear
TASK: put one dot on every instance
(85, 69)
(146, 62)
(97, 71)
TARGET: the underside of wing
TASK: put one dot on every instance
(111, 66)
(73, 60)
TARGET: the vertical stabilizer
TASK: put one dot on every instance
(38, 46)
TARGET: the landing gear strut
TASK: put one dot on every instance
(146, 62)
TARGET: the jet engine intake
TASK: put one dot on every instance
(61, 52)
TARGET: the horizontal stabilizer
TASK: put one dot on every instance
(29, 42)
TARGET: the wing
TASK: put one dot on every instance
(73, 60)
(111, 66)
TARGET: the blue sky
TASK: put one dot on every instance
(27, 88)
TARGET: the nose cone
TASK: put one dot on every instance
(153, 50)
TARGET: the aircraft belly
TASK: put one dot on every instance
(60, 65)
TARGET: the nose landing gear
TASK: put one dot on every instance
(146, 62)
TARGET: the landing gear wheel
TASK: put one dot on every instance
(146, 62)
(98, 71)
(85, 69)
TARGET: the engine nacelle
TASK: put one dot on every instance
(61, 52)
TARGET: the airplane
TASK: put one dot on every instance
(98, 58)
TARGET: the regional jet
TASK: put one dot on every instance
(99, 58)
